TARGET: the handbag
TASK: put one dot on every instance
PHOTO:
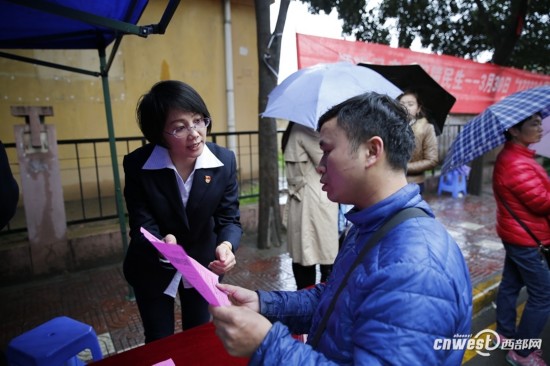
(545, 251)
(404, 214)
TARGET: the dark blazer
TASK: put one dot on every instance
(9, 190)
(153, 201)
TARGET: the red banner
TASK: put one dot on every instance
(474, 85)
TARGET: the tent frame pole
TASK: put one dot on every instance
(114, 156)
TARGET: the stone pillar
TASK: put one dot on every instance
(42, 190)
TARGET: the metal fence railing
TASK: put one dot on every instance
(87, 175)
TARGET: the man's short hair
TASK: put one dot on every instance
(371, 114)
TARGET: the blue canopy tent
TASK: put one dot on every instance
(77, 24)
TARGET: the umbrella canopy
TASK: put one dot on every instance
(306, 94)
(437, 101)
(486, 131)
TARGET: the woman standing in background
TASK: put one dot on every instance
(522, 192)
(425, 155)
(312, 219)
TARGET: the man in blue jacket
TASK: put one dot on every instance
(411, 290)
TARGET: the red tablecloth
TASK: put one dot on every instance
(196, 346)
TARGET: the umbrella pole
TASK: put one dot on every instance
(114, 159)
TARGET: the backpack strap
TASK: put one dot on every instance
(395, 220)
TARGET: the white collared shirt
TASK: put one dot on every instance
(160, 159)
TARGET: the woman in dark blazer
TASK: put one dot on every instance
(183, 190)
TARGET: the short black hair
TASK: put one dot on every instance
(518, 125)
(154, 106)
(371, 114)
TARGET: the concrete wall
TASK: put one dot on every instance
(192, 50)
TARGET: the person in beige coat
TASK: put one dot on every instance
(312, 219)
(425, 155)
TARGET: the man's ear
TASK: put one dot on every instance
(374, 149)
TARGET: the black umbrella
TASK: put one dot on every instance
(436, 100)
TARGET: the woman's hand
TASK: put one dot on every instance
(168, 239)
(225, 259)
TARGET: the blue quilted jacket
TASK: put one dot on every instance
(411, 289)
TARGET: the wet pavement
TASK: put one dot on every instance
(99, 297)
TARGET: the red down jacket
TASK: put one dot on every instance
(524, 185)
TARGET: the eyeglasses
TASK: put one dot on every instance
(182, 131)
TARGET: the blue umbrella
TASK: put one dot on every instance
(486, 131)
(309, 92)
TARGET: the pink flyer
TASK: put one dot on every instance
(195, 273)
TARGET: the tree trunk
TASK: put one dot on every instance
(508, 40)
(269, 50)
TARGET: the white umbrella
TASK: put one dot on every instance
(306, 94)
